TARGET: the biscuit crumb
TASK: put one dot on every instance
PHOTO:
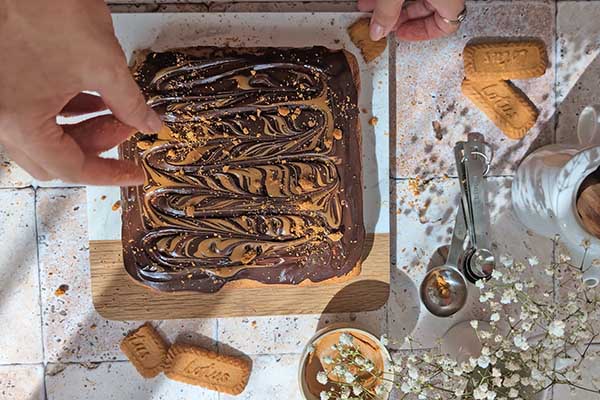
(143, 144)
(61, 290)
(337, 134)
(189, 211)
(249, 256)
(373, 121)
(283, 111)
(335, 237)
(437, 128)
(117, 205)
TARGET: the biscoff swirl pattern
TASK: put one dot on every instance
(250, 180)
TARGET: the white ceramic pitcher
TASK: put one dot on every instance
(545, 187)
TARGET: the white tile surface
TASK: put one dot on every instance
(20, 332)
(289, 334)
(11, 175)
(273, 377)
(578, 64)
(73, 330)
(116, 381)
(21, 382)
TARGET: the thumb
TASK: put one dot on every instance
(385, 16)
(122, 95)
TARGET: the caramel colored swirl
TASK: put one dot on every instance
(248, 185)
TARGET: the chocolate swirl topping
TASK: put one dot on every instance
(257, 178)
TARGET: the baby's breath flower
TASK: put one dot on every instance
(406, 386)
(557, 328)
(485, 334)
(480, 392)
(506, 260)
(536, 375)
(357, 389)
(327, 360)
(483, 361)
(345, 339)
(349, 377)
(520, 342)
(512, 366)
(495, 317)
(339, 370)
(564, 258)
(413, 372)
(487, 296)
(474, 324)
(380, 390)
(508, 296)
(384, 340)
(533, 261)
(345, 393)
(324, 395)
(322, 378)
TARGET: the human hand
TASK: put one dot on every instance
(52, 51)
(414, 20)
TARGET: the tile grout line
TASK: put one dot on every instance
(393, 146)
(556, 55)
(217, 334)
(442, 177)
(25, 364)
(39, 270)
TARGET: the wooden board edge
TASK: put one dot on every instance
(374, 285)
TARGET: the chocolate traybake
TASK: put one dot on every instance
(257, 180)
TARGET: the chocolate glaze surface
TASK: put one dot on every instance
(257, 179)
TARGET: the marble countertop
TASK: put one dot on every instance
(57, 347)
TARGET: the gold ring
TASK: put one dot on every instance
(459, 19)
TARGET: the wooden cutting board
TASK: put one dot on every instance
(117, 296)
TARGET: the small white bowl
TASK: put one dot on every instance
(340, 328)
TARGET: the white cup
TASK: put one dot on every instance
(545, 187)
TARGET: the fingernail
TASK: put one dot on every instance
(153, 121)
(376, 31)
